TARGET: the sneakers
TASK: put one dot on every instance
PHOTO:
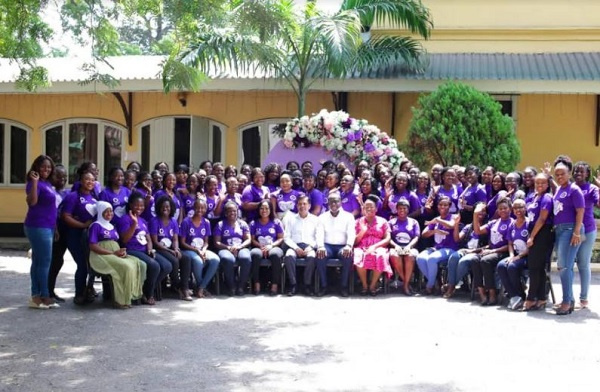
(515, 303)
(34, 305)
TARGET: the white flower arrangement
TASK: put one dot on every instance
(353, 139)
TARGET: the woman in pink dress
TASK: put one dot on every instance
(371, 246)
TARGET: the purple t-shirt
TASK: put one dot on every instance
(529, 196)
(187, 202)
(403, 231)
(566, 200)
(232, 235)
(81, 207)
(443, 240)
(253, 194)
(149, 212)
(139, 240)
(195, 235)
(535, 207)
(316, 198)
(498, 231)
(266, 234)
(452, 193)
(118, 201)
(176, 200)
(98, 233)
(349, 201)
(474, 194)
(412, 198)
(519, 235)
(591, 196)
(45, 212)
(491, 205)
(285, 202)
(164, 233)
(236, 198)
(211, 204)
(473, 240)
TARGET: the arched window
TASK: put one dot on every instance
(257, 139)
(14, 152)
(194, 139)
(74, 141)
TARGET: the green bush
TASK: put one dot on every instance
(457, 124)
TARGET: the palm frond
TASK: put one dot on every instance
(179, 76)
(398, 54)
(412, 15)
(265, 18)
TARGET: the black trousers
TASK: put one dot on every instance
(58, 257)
(485, 268)
(182, 270)
(538, 260)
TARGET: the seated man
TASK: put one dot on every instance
(300, 237)
(335, 238)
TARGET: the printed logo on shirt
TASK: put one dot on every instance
(141, 237)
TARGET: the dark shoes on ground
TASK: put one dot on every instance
(291, 291)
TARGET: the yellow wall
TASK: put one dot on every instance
(512, 26)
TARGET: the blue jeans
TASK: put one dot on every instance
(584, 257)
(157, 269)
(459, 265)
(75, 246)
(211, 264)
(428, 261)
(510, 276)
(566, 258)
(228, 261)
(41, 240)
(334, 252)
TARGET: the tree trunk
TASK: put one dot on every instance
(301, 95)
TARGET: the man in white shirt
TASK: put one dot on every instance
(300, 236)
(335, 240)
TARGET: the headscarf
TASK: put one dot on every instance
(101, 207)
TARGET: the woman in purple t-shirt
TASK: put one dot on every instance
(39, 226)
(405, 233)
(194, 236)
(474, 193)
(115, 193)
(569, 209)
(441, 229)
(396, 190)
(232, 239)
(135, 236)
(510, 269)
(284, 199)
(267, 236)
(253, 194)
(540, 243)
(447, 188)
(582, 174)
(78, 212)
(164, 232)
(168, 189)
(485, 268)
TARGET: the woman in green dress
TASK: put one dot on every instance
(107, 257)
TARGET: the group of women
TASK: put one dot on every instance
(143, 227)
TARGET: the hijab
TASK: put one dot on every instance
(103, 206)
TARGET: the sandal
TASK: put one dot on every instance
(529, 306)
(148, 301)
(373, 292)
(364, 291)
(583, 304)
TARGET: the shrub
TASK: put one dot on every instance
(457, 124)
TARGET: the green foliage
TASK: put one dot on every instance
(457, 124)
(303, 45)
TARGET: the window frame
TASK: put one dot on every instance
(211, 123)
(6, 184)
(514, 99)
(100, 123)
(264, 132)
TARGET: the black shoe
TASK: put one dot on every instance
(231, 293)
(57, 298)
(344, 292)
(240, 292)
(308, 291)
(80, 301)
(322, 292)
(291, 291)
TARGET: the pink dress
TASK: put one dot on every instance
(380, 260)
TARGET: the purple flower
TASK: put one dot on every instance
(350, 137)
(346, 124)
(358, 135)
(369, 147)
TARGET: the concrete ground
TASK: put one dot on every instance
(388, 343)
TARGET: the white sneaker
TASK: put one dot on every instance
(512, 302)
(518, 304)
(34, 305)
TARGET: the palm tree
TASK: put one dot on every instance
(276, 38)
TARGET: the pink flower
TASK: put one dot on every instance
(288, 143)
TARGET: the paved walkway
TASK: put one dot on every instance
(389, 343)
